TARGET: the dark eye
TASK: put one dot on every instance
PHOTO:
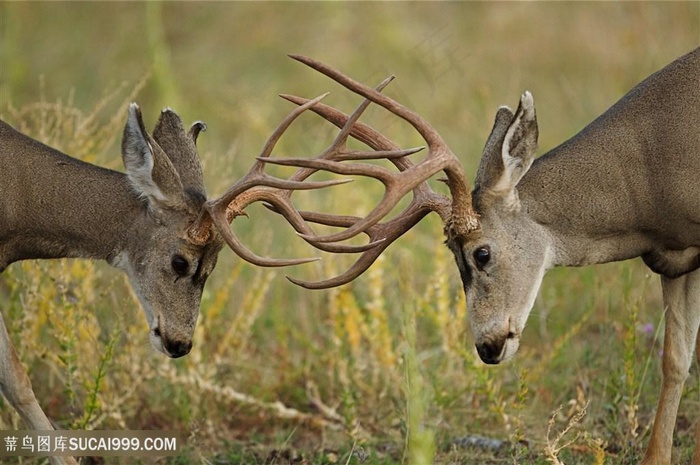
(180, 265)
(482, 255)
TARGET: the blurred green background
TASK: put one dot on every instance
(390, 355)
(456, 62)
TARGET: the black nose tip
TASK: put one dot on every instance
(490, 351)
(177, 349)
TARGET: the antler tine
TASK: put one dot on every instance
(360, 131)
(283, 206)
(256, 176)
(365, 134)
(425, 129)
(338, 150)
(388, 232)
(200, 230)
(463, 217)
(221, 220)
(222, 225)
(330, 220)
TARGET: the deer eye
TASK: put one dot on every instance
(482, 255)
(180, 265)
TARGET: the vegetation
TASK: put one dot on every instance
(381, 371)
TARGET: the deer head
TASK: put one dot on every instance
(502, 263)
(173, 245)
(166, 268)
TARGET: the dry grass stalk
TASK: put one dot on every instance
(553, 446)
(277, 409)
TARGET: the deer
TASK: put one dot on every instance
(154, 222)
(623, 187)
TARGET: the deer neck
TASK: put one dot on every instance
(593, 208)
(625, 185)
(66, 209)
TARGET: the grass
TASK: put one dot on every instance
(381, 371)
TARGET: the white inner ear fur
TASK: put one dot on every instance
(514, 167)
(140, 166)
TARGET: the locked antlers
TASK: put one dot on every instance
(458, 215)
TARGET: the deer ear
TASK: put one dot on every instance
(149, 170)
(491, 166)
(179, 147)
(510, 150)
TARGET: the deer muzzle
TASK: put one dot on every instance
(173, 345)
(176, 348)
(494, 349)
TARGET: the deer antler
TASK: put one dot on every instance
(458, 215)
(255, 186)
(463, 218)
(258, 186)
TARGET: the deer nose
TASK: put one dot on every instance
(177, 349)
(491, 350)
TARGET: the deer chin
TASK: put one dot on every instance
(155, 335)
(153, 323)
(510, 348)
(157, 343)
(121, 261)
